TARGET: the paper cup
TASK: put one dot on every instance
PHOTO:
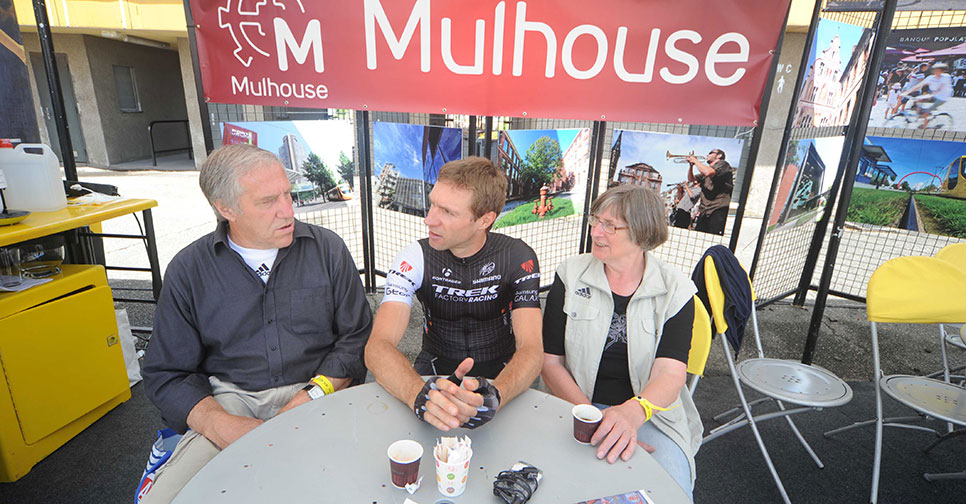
(451, 478)
(586, 420)
(404, 458)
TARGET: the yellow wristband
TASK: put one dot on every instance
(323, 384)
(650, 407)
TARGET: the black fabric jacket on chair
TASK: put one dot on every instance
(737, 291)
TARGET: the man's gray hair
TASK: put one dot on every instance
(225, 166)
(641, 208)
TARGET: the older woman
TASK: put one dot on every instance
(617, 331)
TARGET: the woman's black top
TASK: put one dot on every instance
(613, 384)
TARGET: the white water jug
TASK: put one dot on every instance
(34, 182)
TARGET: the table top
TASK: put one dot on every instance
(334, 450)
(39, 224)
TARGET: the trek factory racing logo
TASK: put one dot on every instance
(479, 294)
(528, 266)
(394, 287)
(243, 22)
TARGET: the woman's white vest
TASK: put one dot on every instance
(589, 306)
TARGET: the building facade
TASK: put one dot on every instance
(292, 155)
(571, 175)
(121, 69)
(641, 174)
(829, 93)
(508, 158)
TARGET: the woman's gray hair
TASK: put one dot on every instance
(225, 166)
(641, 208)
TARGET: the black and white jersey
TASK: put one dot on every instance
(467, 301)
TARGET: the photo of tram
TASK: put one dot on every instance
(911, 184)
(954, 180)
(341, 192)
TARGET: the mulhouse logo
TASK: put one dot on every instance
(241, 19)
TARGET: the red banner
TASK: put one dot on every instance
(687, 61)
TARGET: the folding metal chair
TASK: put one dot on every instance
(914, 290)
(809, 388)
(700, 344)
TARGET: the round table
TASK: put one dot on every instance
(334, 450)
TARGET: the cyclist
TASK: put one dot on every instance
(479, 292)
(938, 88)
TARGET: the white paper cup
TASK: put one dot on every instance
(451, 478)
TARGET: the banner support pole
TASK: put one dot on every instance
(365, 181)
(199, 87)
(487, 140)
(786, 135)
(471, 135)
(593, 188)
(56, 93)
(883, 28)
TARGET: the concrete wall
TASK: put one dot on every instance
(779, 103)
(157, 73)
(73, 47)
(195, 121)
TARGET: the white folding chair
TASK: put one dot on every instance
(809, 388)
(914, 290)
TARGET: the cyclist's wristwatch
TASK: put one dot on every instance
(319, 386)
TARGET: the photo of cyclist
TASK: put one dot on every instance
(928, 66)
(936, 90)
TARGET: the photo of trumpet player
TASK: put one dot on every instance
(694, 174)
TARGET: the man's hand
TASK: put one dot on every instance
(449, 405)
(220, 427)
(617, 433)
(301, 397)
(230, 428)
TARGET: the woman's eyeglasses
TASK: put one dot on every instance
(607, 226)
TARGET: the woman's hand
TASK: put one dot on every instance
(617, 433)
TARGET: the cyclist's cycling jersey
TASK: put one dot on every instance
(467, 301)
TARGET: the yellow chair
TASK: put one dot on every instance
(956, 255)
(700, 344)
(913, 290)
(810, 388)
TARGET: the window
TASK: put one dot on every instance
(127, 90)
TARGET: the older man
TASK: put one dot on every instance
(255, 318)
